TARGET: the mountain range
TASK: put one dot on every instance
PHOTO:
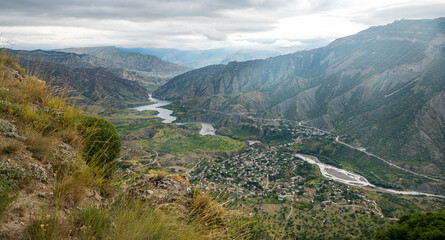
(102, 76)
(202, 58)
(382, 88)
(86, 79)
(146, 68)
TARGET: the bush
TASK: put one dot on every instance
(416, 226)
(102, 145)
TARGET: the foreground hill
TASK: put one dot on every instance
(383, 87)
(57, 177)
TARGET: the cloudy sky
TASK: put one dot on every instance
(197, 24)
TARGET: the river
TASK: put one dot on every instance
(164, 114)
(353, 179)
(167, 117)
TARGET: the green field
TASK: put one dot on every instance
(198, 143)
(241, 133)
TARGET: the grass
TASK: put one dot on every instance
(134, 220)
(92, 222)
(241, 133)
(8, 195)
(39, 145)
(44, 227)
(12, 147)
(129, 218)
(199, 143)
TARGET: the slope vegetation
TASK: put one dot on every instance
(57, 177)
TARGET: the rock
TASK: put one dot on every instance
(157, 190)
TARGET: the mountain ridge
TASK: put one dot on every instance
(87, 80)
(135, 63)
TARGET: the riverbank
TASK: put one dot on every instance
(353, 179)
(167, 117)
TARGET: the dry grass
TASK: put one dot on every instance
(138, 220)
(39, 145)
(45, 226)
(12, 147)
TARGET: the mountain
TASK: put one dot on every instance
(91, 80)
(383, 87)
(143, 67)
(201, 58)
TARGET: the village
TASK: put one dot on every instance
(271, 174)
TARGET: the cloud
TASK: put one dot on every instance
(286, 43)
(412, 10)
(135, 9)
(195, 24)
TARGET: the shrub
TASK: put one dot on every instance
(102, 145)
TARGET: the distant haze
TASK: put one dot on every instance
(197, 24)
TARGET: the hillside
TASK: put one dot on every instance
(58, 177)
(383, 88)
(143, 66)
(87, 80)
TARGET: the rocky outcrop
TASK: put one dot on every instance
(160, 189)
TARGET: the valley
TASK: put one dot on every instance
(336, 142)
(381, 91)
(270, 178)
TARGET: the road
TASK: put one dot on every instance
(386, 161)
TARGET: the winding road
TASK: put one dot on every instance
(386, 161)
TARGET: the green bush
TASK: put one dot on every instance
(102, 145)
(416, 226)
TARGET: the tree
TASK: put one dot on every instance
(417, 226)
